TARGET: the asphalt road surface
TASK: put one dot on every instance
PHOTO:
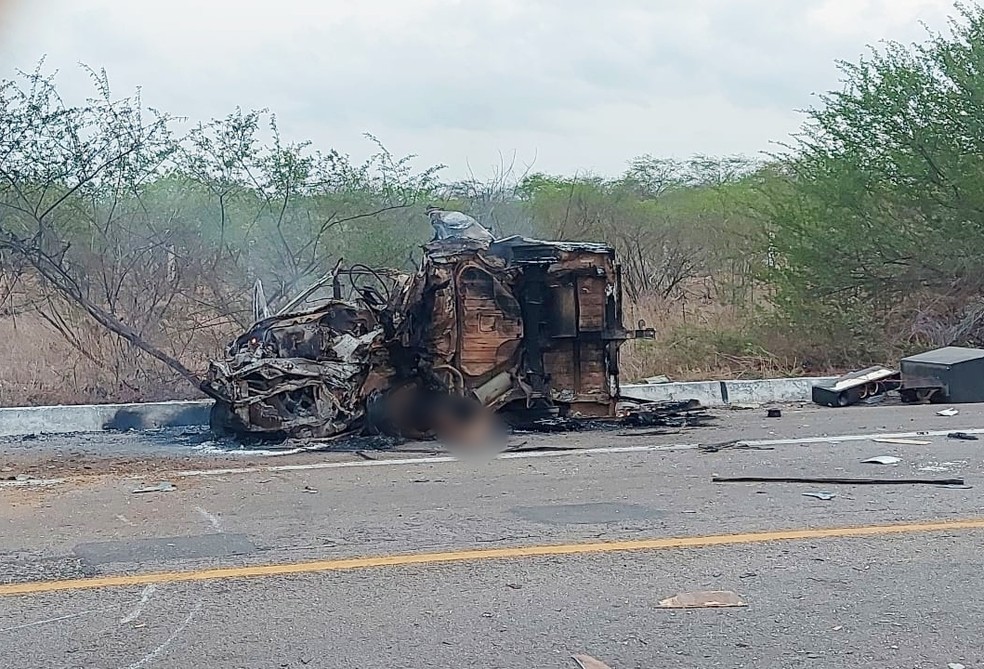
(412, 559)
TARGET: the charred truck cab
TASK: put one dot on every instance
(524, 328)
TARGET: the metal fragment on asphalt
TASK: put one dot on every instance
(882, 460)
(821, 494)
(833, 480)
(163, 486)
(733, 444)
(904, 442)
(702, 599)
(588, 662)
(948, 412)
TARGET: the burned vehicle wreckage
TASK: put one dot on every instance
(525, 330)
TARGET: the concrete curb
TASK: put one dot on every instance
(65, 419)
(708, 393)
(62, 419)
(724, 393)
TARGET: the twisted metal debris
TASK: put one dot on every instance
(527, 329)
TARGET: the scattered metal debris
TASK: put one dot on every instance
(962, 435)
(454, 225)
(588, 662)
(948, 412)
(950, 374)
(702, 599)
(537, 448)
(903, 442)
(954, 665)
(734, 444)
(942, 466)
(833, 481)
(821, 494)
(647, 433)
(309, 489)
(686, 413)
(526, 329)
(672, 414)
(882, 460)
(163, 486)
(856, 387)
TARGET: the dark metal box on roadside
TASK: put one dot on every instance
(856, 386)
(957, 372)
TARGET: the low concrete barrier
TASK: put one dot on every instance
(723, 393)
(19, 421)
(708, 393)
(764, 391)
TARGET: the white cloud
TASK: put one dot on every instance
(856, 17)
(577, 84)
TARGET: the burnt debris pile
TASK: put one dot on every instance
(515, 331)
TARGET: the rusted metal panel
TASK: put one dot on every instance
(560, 363)
(491, 322)
(442, 334)
(591, 304)
(594, 377)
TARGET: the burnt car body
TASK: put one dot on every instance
(524, 328)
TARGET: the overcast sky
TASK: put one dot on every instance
(564, 84)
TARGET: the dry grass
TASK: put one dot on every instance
(41, 367)
(700, 337)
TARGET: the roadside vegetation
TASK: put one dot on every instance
(130, 239)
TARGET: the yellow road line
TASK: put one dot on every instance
(286, 569)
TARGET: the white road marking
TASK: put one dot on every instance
(601, 450)
(154, 654)
(211, 518)
(54, 620)
(144, 598)
(33, 483)
(315, 465)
